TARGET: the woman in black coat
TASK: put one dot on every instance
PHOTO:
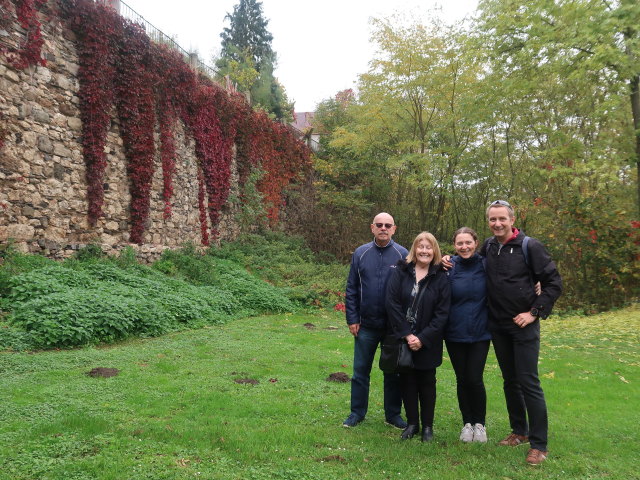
(418, 298)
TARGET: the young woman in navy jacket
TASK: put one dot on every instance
(467, 335)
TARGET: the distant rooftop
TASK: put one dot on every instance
(303, 120)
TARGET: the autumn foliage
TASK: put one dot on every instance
(150, 86)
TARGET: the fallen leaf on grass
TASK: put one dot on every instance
(622, 379)
(549, 375)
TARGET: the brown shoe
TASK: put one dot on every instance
(536, 457)
(513, 440)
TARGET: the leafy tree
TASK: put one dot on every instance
(417, 120)
(597, 41)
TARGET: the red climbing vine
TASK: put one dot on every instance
(30, 50)
(149, 84)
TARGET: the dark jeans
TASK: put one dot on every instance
(419, 387)
(517, 350)
(468, 360)
(365, 346)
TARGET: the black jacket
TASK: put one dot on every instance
(510, 281)
(432, 311)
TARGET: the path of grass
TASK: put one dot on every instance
(176, 412)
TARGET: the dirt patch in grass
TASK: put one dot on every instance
(103, 372)
(309, 326)
(251, 381)
(339, 377)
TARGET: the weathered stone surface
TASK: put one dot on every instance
(74, 123)
(41, 116)
(24, 110)
(12, 76)
(61, 150)
(17, 232)
(44, 144)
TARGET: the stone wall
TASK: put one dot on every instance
(43, 200)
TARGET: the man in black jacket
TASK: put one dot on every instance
(371, 266)
(514, 320)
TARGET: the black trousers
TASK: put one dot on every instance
(517, 350)
(419, 396)
(468, 360)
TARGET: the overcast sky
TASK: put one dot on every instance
(322, 45)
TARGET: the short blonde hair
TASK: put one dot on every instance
(437, 255)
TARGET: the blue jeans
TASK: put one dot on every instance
(366, 345)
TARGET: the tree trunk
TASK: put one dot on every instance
(634, 85)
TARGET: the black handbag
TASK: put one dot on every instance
(395, 355)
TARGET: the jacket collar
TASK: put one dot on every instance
(386, 246)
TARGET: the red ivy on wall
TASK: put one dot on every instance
(30, 51)
(95, 25)
(135, 104)
(148, 84)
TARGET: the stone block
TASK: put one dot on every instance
(11, 75)
(28, 211)
(17, 232)
(74, 123)
(44, 144)
(41, 116)
(60, 150)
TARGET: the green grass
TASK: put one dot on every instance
(175, 411)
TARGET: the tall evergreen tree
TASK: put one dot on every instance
(247, 57)
(247, 34)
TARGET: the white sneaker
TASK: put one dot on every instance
(466, 435)
(479, 433)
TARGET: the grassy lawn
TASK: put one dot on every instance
(176, 411)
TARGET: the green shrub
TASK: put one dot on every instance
(94, 298)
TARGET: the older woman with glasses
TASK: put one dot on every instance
(418, 297)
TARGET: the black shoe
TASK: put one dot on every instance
(409, 432)
(397, 422)
(352, 420)
(427, 434)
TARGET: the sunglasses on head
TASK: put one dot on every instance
(504, 203)
(385, 225)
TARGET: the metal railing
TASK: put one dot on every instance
(158, 36)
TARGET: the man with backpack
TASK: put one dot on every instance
(514, 263)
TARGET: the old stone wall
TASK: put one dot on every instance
(43, 200)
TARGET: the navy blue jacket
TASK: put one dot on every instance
(371, 266)
(468, 315)
(432, 311)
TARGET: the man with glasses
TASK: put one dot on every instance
(515, 311)
(371, 266)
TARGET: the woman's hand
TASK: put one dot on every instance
(414, 342)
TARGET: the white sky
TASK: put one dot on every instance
(322, 45)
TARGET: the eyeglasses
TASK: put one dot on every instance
(385, 225)
(504, 203)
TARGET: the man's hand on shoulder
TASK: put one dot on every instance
(446, 262)
(354, 328)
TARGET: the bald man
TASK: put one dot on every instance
(371, 266)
